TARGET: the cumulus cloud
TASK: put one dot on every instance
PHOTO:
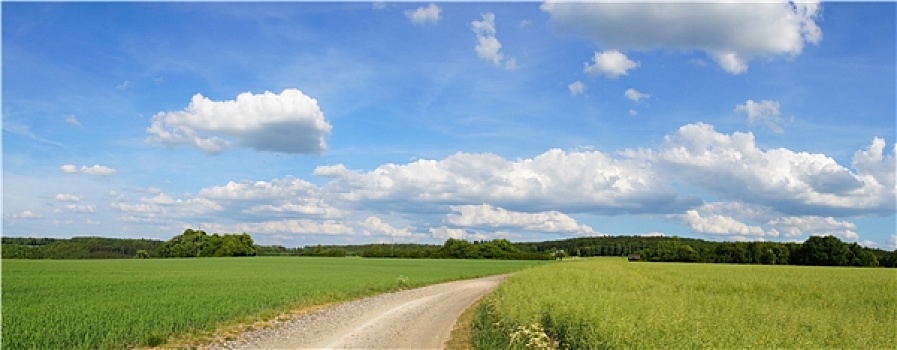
(372, 225)
(793, 226)
(611, 64)
(874, 165)
(446, 233)
(720, 225)
(733, 167)
(289, 122)
(487, 216)
(79, 208)
(765, 112)
(68, 168)
(577, 88)
(424, 15)
(732, 34)
(96, 169)
(166, 207)
(488, 47)
(71, 198)
(635, 96)
(569, 181)
(290, 226)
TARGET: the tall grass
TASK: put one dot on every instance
(612, 304)
(93, 304)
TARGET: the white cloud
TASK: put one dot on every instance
(891, 243)
(378, 5)
(288, 187)
(720, 225)
(446, 233)
(577, 88)
(569, 181)
(165, 207)
(72, 120)
(81, 208)
(794, 226)
(423, 15)
(25, 214)
(289, 122)
(732, 167)
(874, 165)
(96, 169)
(68, 168)
(293, 226)
(305, 206)
(611, 64)
(635, 96)
(25, 131)
(633, 112)
(372, 225)
(487, 216)
(765, 112)
(488, 46)
(731, 33)
(71, 198)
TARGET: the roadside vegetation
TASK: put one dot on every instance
(613, 304)
(101, 304)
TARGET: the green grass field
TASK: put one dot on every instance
(92, 304)
(613, 304)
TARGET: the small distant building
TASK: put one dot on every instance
(634, 257)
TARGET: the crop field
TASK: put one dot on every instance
(612, 304)
(93, 304)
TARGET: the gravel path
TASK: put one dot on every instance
(420, 318)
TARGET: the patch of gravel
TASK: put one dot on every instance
(389, 320)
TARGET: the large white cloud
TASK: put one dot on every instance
(488, 47)
(875, 163)
(568, 181)
(731, 33)
(734, 168)
(487, 216)
(721, 225)
(289, 122)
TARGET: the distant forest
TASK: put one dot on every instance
(822, 251)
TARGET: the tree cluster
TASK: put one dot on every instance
(78, 248)
(821, 251)
(196, 243)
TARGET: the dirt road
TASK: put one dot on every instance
(420, 318)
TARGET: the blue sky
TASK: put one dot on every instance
(307, 123)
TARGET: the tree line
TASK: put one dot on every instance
(816, 250)
(823, 251)
(451, 249)
(191, 243)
